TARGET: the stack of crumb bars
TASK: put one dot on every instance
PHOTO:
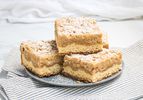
(80, 51)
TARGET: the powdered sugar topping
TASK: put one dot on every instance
(78, 25)
(41, 47)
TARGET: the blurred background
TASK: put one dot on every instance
(22, 20)
(32, 11)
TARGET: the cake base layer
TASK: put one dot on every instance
(81, 75)
(76, 48)
(42, 71)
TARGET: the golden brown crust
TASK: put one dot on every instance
(94, 62)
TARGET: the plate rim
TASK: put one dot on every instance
(110, 78)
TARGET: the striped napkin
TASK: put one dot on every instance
(18, 86)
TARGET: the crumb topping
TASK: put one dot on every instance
(78, 25)
(41, 47)
(106, 53)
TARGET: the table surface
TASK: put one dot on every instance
(121, 34)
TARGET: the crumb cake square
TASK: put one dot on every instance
(78, 35)
(41, 57)
(92, 67)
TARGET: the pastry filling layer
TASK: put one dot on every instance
(42, 71)
(86, 39)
